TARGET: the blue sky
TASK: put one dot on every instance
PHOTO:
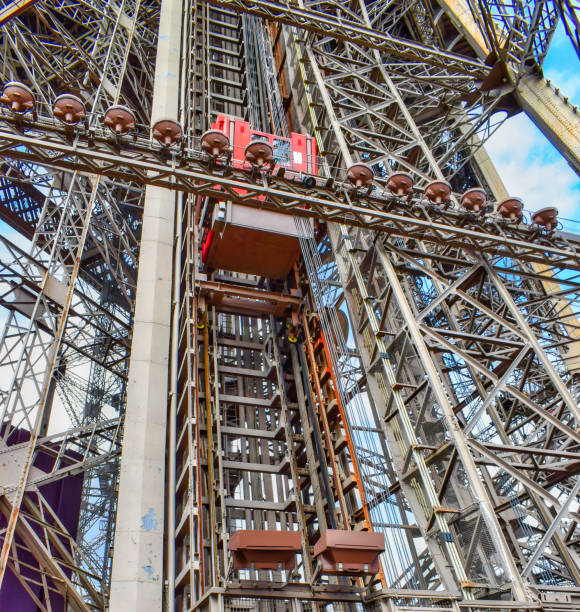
(528, 164)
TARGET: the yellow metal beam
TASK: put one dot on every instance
(543, 103)
(553, 114)
(462, 18)
(13, 9)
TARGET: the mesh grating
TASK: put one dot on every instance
(250, 604)
(255, 604)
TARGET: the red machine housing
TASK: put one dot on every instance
(242, 238)
(349, 552)
(296, 154)
(261, 549)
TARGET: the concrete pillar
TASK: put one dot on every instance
(137, 575)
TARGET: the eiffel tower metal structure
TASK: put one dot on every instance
(416, 374)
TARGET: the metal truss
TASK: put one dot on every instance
(408, 365)
(430, 471)
(335, 20)
(39, 529)
(330, 200)
(484, 397)
(519, 32)
(455, 432)
(509, 41)
(67, 338)
(569, 15)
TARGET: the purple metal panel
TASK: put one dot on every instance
(64, 497)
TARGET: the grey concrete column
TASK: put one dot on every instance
(137, 576)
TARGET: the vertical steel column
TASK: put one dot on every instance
(460, 443)
(137, 577)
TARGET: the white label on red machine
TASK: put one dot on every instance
(297, 157)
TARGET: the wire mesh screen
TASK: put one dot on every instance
(483, 563)
(250, 604)
(411, 604)
(256, 604)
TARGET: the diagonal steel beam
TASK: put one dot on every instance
(516, 473)
(45, 559)
(531, 338)
(325, 24)
(563, 513)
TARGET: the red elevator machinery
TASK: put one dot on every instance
(243, 239)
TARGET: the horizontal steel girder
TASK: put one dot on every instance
(326, 24)
(75, 450)
(140, 161)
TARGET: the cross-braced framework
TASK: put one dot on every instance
(67, 337)
(416, 374)
(421, 372)
(569, 14)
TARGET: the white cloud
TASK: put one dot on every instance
(532, 169)
(567, 81)
(528, 164)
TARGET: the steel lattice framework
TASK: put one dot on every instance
(447, 419)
